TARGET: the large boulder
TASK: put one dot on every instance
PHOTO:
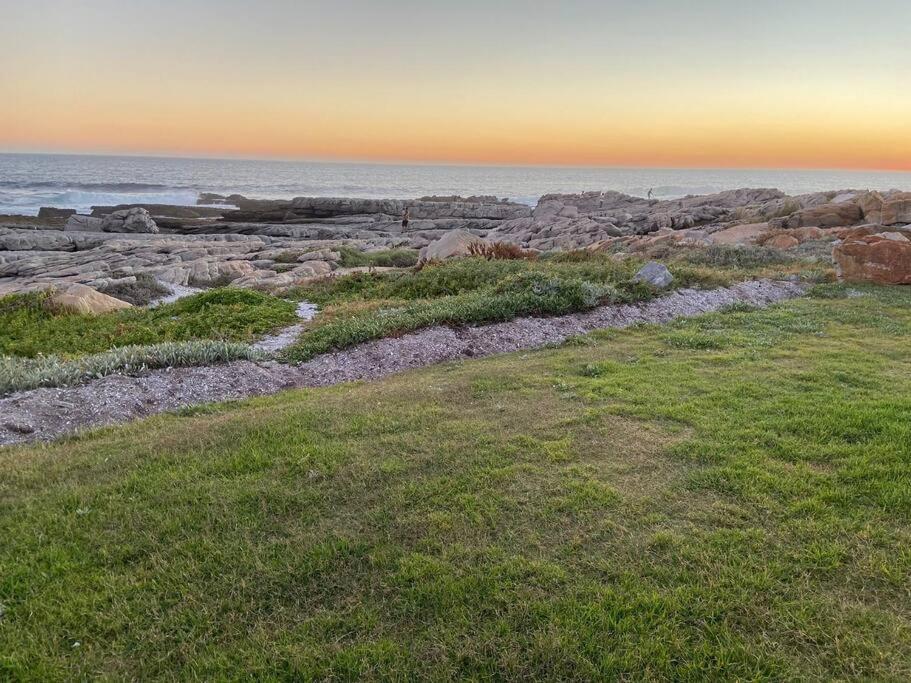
(134, 220)
(453, 244)
(824, 216)
(896, 209)
(84, 299)
(871, 205)
(881, 257)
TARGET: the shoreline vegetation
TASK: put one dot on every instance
(44, 347)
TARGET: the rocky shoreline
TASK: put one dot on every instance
(47, 414)
(272, 244)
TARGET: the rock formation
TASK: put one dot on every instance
(129, 220)
(275, 243)
(882, 257)
(81, 299)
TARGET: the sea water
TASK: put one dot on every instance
(30, 181)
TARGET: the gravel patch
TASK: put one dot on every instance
(178, 292)
(282, 339)
(46, 414)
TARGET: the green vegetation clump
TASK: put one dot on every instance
(21, 374)
(366, 306)
(142, 292)
(530, 293)
(743, 257)
(29, 328)
(639, 507)
(386, 258)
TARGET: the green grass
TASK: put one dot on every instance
(28, 326)
(384, 258)
(725, 498)
(365, 306)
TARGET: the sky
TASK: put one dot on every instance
(658, 83)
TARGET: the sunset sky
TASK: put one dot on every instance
(703, 83)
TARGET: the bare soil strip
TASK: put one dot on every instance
(46, 414)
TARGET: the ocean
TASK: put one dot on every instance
(30, 181)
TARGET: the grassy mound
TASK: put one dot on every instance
(366, 306)
(29, 328)
(644, 504)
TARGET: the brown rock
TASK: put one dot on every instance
(740, 234)
(871, 205)
(84, 299)
(826, 216)
(897, 209)
(884, 258)
(807, 234)
(781, 241)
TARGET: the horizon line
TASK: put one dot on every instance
(441, 163)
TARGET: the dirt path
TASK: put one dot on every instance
(45, 414)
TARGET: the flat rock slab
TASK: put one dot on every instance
(46, 414)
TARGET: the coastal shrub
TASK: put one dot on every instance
(21, 374)
(457, 276)
(144, 291)
(28, 328)
(386, 258)
(500, 251)
(725, 256)
(520, 295)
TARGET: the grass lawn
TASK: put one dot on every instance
(723, 498)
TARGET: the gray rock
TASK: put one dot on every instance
(78, 223)
(655, 274)
(136, 220)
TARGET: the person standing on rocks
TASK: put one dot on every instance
(650, 192)
(406, 216)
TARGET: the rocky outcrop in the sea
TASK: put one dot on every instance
(874, 254)
(429, 208)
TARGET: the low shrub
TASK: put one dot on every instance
(387, 258)
(144, 291)
(725, 256)
(500, 251)
(22, 374)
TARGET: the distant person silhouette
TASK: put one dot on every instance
(406, 216)
(650, 193)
